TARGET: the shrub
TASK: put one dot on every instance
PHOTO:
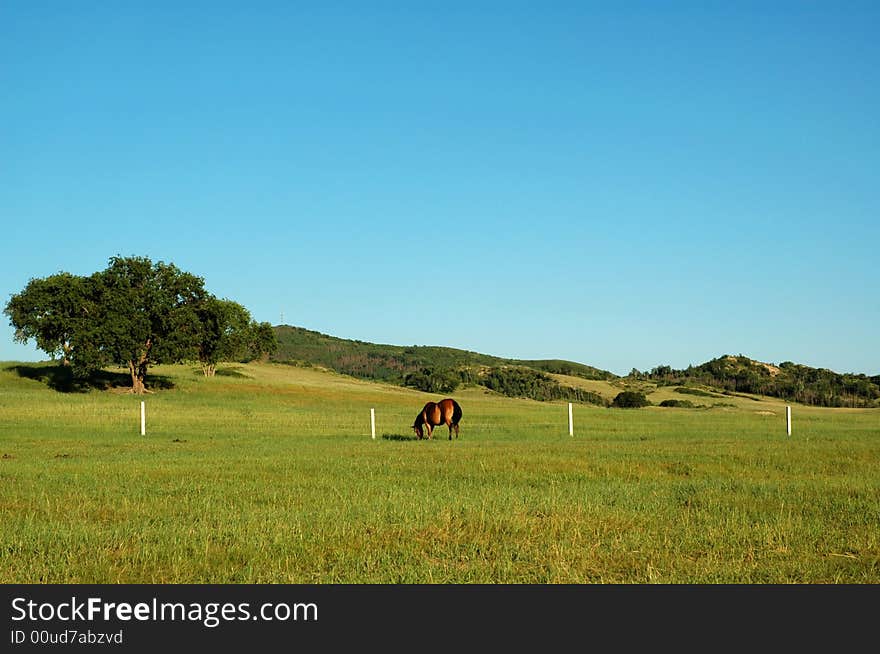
(535, 385)
(694, 391)
(682, 404)
(433, 381)
(630, 400)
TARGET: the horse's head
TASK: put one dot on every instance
(417, 427)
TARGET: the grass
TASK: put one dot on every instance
(267, 474)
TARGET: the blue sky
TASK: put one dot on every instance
(621, 184)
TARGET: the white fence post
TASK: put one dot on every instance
(570, 421)
(788, 420)
(143, 419)
(373, 423)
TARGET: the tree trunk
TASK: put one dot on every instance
(138, 370)
(137, 378)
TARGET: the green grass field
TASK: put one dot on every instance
(267, 474)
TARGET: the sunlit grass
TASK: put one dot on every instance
(268, 474)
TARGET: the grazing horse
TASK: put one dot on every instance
(433, 414)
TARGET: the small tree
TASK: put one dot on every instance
(224, 333)
(227, 333)
(263, 341)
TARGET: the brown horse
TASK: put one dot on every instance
(433, 414)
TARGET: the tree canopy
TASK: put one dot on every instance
(135, 313)
(50, 311)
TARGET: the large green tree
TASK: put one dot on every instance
(148, 314)
(135, 313)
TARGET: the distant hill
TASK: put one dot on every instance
(788, 381)
(434, 368)
(437, 369)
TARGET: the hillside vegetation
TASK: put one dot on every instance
(444, 369)
(788, 381)
(436, 369)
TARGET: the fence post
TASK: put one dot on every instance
(570, 421)
(373, 423)
(788, 420)
(143, 419)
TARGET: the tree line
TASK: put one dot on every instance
(135, 313)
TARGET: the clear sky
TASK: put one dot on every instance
(622, 184)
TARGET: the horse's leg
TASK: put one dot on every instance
(456, 430)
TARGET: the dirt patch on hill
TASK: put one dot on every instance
(771, 368)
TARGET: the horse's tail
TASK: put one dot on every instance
(456, 412)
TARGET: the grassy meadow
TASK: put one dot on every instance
(267, 474)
